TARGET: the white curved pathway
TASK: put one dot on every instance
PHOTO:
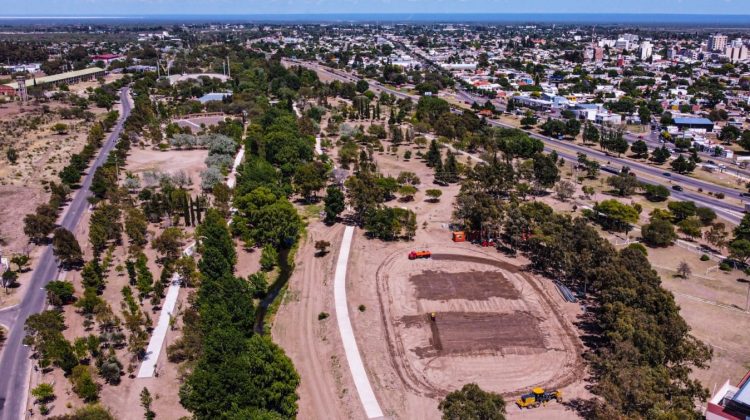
(353, 358)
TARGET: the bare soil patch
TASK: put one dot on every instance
(471, 332)
(473, 285)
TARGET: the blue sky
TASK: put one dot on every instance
(147, 7)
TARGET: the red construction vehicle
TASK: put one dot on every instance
(419, 254)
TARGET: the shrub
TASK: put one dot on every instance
(269, 258)
(362, 308)
(725, 267)
(639, 247)
(322, 316)
(705, 257)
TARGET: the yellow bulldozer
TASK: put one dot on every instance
(538, 397)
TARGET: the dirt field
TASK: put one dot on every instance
(433, 285)
(169, 162)
(391, 324)
(506, 341)
(477, 332)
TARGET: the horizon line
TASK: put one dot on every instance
(105, 16)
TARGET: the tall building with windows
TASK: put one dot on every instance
(717, 42)
(646, 50)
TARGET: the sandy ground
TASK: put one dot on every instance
(399, 378)
(124, 399)
(42, 154)
(171, 161)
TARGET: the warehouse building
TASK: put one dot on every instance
(694, 124)
(69, 78)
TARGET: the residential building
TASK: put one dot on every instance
(646, 50)
(730, 402)
(737, 53)
(717, 42)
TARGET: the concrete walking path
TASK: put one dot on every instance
(148, 366)
(353, 358)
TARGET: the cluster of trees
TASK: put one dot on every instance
(89, 358)
(558, 128)
(472, 403)
(38, 225)
(221, 151)
(436, 114)
(238, 373)
(640, 333)
(71, 174)
(44, 335)
(446, 171)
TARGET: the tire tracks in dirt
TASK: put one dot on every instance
(303, 337)
(420, 385)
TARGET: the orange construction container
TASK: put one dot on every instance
(459, 237)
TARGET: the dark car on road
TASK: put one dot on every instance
(666, 174)
(677, 188)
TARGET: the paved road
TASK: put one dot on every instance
(15, 365)
(731, 212)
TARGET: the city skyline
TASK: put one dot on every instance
(250, 7)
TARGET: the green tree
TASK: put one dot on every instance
(433, 156)
(572, 128)
(472, 403)
(615, 215)
(169, 243)
(83, 383)
(66, 248)
(529, 120)
(624, 183)
(716, 235)
(546, 173)
(590, 133)
(136, 226)
(43, 393)
(681, 210)
(660, 154)
(739, 249)
(146, 400)
(60, 128)
(682, 165)
(12, 155)
(60, 293)
(450, 168)
(729, 134)
(742, 231)
(691, 227)
(334, 203)
(656, 193)
(434, 194)
(38, 226)
(269, 258)
(87, 412)
(309, 179)
(659, 233)
(640, 149)
(706, 215)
